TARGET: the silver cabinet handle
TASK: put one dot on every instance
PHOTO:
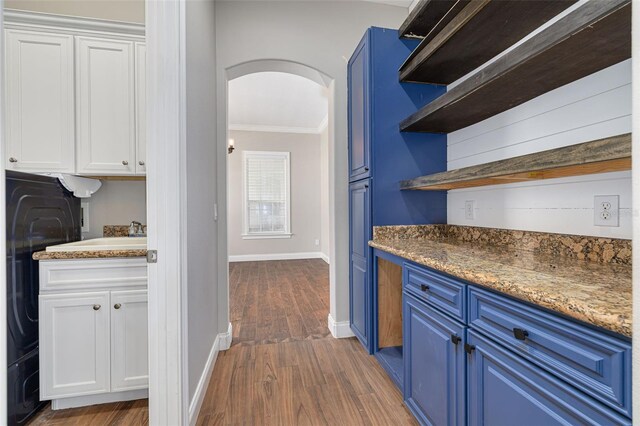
(141, 163)
(13, 160)
(125, 163)
(96, 307)
(117, 306)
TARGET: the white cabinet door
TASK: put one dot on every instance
(141, 109)
(74, 344)
(39, 102)
(129, 340)
(105, 107)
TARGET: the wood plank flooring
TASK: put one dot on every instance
(118, 413)
(283, 367)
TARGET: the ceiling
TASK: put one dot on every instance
(276, 101)
(402, 3)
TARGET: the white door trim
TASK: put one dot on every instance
(166, 203)
(3, 248)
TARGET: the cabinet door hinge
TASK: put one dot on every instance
(152, 256)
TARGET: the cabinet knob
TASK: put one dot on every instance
(520, 333)
(96, 307)
(469, 348)
(455, 339)
(366, 169)
(424, 287)
(13, 160)
(117, 306)
(125, 163)
(141, 163)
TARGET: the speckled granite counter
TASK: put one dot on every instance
(594, 292)
(89, 254)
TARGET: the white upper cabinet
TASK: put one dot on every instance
(105, 107)
(141, 108)
(39, 101)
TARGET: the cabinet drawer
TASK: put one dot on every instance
(596, 363)
(440, 291)
(504, 389)
(92, 274)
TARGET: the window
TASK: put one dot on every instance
(266, 194)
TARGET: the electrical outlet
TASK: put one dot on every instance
(470, 210)
(317, 242)
(606, 210)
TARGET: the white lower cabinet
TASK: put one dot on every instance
(93, 331)
(74, 344)
(129, 340)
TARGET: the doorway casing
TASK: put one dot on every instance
(338, 329)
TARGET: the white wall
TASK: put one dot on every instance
(594, 107)
(116, 203)
(116, 10)
(324, 193)
(305, 175)
(319, 34)
(202, 288)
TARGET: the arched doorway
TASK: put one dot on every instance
(327, 83)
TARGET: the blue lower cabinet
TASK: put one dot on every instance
(360, 300)
(505, 389)
(434, 379)
(360, 295)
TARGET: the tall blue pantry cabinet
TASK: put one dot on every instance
(380, 157)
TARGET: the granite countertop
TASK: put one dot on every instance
(88, 254)
(596, 293)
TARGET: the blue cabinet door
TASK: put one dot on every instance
(505, 389)
(434, 359)
(358, 110)
(360, 295)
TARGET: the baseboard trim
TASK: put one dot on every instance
(325, 258)
(339, 330)
(103, 398)
(225, 338)
(221, 343)
(276, 256)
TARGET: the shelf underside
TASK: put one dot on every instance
(429, 14)
(477, 33)
(599, 156)
(589, 39)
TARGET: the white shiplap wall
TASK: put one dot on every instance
(594, 107)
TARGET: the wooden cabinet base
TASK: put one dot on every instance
(82, 401)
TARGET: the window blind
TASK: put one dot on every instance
(267, 192)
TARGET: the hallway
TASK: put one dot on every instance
(283, 367)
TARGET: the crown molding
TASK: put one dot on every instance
(274, 129)
(323, 124)
(71, 23)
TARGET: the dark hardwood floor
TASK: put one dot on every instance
(118, 413)
(283, 367)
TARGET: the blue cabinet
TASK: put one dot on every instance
(434, 383)
(596, 363)
(381, 155)
(358, 83)
(360, 234)
(505, 389)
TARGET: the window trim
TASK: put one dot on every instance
(246, 235)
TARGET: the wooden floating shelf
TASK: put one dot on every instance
(589, 39)
(599, 156)
(429, 14)
(477, 33)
